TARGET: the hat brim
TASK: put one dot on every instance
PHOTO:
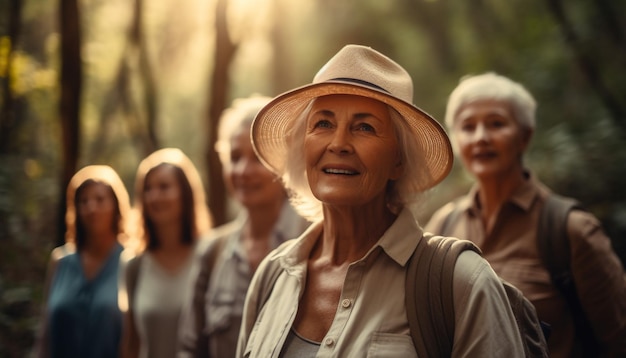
(271, 125)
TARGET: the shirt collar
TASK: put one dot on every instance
(398, 242)
(523, 197)
(402, 237)
(288, 226)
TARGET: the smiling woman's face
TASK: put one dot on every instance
(249, 181)
(162, 195)
(96, 208)
(351, 150)
(491, 142)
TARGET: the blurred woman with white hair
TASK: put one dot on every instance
(211, 322)
(491, 120)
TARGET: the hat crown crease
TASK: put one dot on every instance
(361, 63)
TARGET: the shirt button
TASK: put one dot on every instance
(346, 303)
(329, 342)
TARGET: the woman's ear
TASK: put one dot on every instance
(527, 135)
(397, 170)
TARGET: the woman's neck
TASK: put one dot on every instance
(99, 246)
(493, 192)
(349, 233)
(95, 253)
(262, 220)
(169, 236)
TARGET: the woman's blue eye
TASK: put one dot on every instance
(498, 124)
(234, 157)
(365, 127)
(467, 127)
(322, 124)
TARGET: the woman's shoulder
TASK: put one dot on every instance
(224, 230)
(59, 257)
(471, 266)
(589, 242)
(437, 219)
(62, 251)
(582, 222)
(216, 238)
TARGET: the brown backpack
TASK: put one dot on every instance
(430, 303)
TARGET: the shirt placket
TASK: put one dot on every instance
(331, 344)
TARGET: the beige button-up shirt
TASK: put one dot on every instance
(228, 284)
(371, 318)
(511, 250)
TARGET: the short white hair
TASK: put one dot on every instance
(491, 86)
(240, 113)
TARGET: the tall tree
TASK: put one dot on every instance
(150, 96)
(69, 111)
(140, 112)
(589, 63)
(225, 51)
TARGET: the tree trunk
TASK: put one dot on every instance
(69, 111)
(140, 112)
(428, 15)
(587, 63)
(224, 52)
(147, 79)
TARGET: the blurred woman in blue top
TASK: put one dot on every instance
(81, 315)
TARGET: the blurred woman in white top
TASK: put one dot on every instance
(172, 217)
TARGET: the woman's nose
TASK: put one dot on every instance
(89, 207)
(480, 133)
(150, 195)
(243, 166)
(340, 141)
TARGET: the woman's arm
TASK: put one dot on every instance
(130, 338)
(600, 280)
(485, 325)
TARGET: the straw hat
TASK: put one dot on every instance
(356, 70)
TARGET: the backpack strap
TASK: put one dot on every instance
(554, 250)
(553, 242)
(429, 293)
(201, 285)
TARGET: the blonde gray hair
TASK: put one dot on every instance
(240, 113)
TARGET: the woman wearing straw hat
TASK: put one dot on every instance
(354, 152)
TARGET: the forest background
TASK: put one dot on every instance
(107, 82)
